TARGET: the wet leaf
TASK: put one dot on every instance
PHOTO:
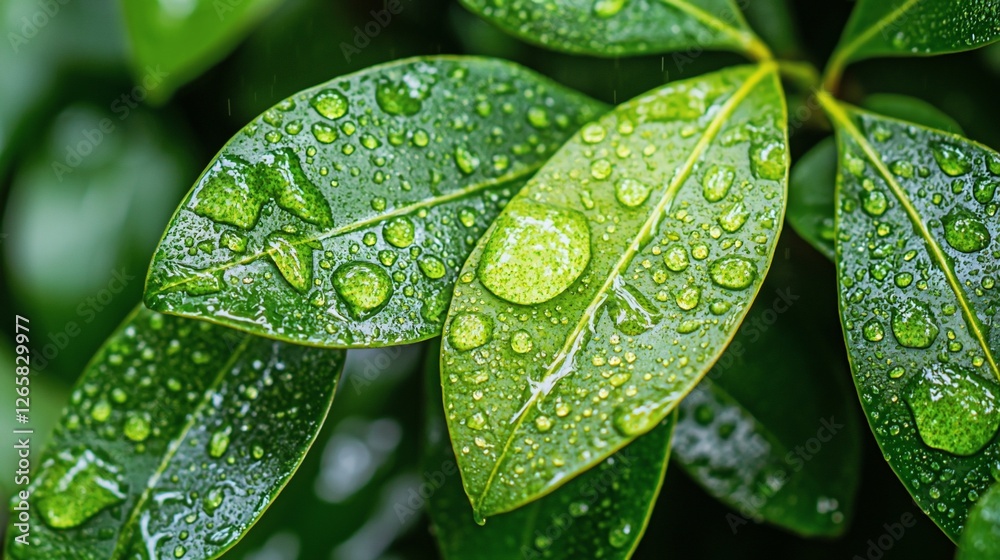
(767, 439)
(811, 190)
(341, 216)
(600, 514)
(915, 28)
(177, 437)
(624, 27)
(174, 42)
(610, 284)
(916, 271)
(981, 536)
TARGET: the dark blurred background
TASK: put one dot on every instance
(77, 234)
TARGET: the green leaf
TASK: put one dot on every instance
(610, 284)
(340, 217)
(600, 514)
(811, 191)
(177, 437)
(981, 536)
(771, 442)
(624, 27)
(174, 42)
(916, 272)
(914, 28)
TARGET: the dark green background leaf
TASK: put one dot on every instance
(773, 20)
(624, 27)
(608, 287)
(342, 215)
(178, 436)
(600, 514)
(916, 259)
(981, 536)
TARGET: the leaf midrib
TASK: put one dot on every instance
(128, 529)
(850, 48)
(668, 196)
(371, 220)
(847, 125)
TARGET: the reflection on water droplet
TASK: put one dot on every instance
(633, 421)
(631, 193)
(535, 252)
(734, 273)
(954, 409)
(717, 182)
(965, 232)
(951, 159)
(470, 330)
(363, 286)
(75, 486)
(913, 324)
(466, 160)
(330, 103)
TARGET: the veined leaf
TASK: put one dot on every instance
(173, 42)
(177, 437)
(624, 27)
(916, 267)
(771, 430)
(811, 190)
(981, 536)
(612, 282)
(600, 514)
(914, 28)
(341, 216)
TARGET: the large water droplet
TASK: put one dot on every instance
(399, 232)
(632, 312)
(913, 324)
(364, 287)
(965, 232)
(293, 258)
(535, 252)
(403, 97)
(76, 486)
(734, 273)
(282, 176)
(769, 160)
(717, 182)
(676, 257)
(636, 420)
(432, 267)
(951, 159)
(228, 193)
(521, 342)
(470, 330)
(219, 442)
(330, 103)
(466, 160)
(874, 203)
(954, 410)
(734, 217)
(984, 190)
(137, 428)
(631, 193)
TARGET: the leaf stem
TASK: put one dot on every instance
(756, 49)
(802, 74)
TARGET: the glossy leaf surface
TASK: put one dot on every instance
(811, 189)
(771, 431)
(600, 514)
(341, 216)
(612, 282)
(173, 42)
(177, 437)
(623, 27)
(916, 267)
(981, 536)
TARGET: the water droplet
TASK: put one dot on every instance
(521, 342)
(330, 103)
(965, 232)
(608, 8)
(219, 442)
(874, 203)
(593, 133)
(734, 273)
(633, 421)
(873, 330)
(469, 330)
(984, 190)
(538, 117)
(227, 193)
(137, 428)
(432, 267)
(632, 312)
(466, 160)
(281, 172)
(535, 252)
(543, 423)
(293, 258)
(601, 169)
(213, 499)
(401, 98)
(734, 218)
(399, 232)
(688, 297)
(954, 410)
(75, 486)
(717, 182)
(364, 287)
(951, 159)
(620, 535)
(676, 257)
(467, 217)
(769, 161)
(631, 193)
(324, 134)
(914, 325)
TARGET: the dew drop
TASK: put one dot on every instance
(137, 428)
(768, 161)
(432, 267)
(363, 286)
(874, 203)
(633, 421)
(219, 442)
(521, 342)
(466, 160)
(632, 312)
(75, 486)
(873, 330)
(717, 182)
(608, 8)
(399, 232)
(631, 193)
(676, 257)
(330, 103)
(734, 273)
(952, 160)
(401, 98)
(914, 325)
(293, 258)
(620, 535)
(469, 331)
(954, 410)
(734, 218)
(965, 232)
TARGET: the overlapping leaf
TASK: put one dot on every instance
(610, 285)
(176, 439)
(981, 536)
(623, 27)
(600, 514)
(917, 270)
(915, 27)
(173, 42)
(341, 216)
(771, 430)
